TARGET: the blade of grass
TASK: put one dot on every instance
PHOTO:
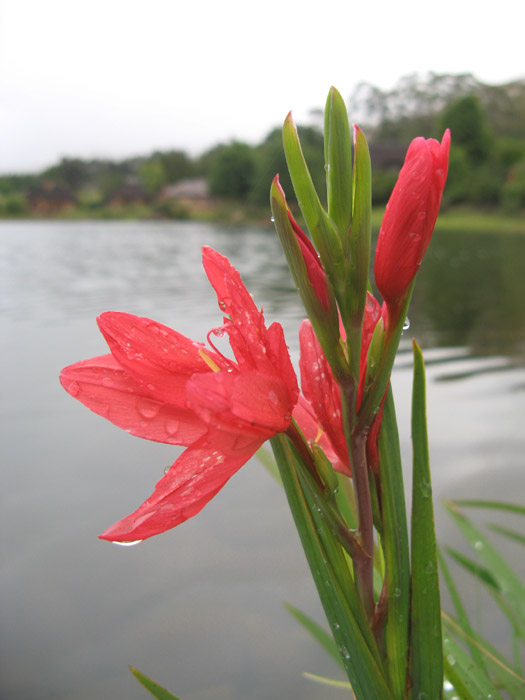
(464, 675)
(396, 549)
(327, 681)
(474, 568)
(497, 505)
(335, 587)
(460, 611)
(507, 532)
(318, 633)
(511, 588)
(154, 688)
(504, 676)
(426, 667)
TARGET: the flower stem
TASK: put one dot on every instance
(356, 444)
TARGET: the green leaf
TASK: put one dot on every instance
(469, 680)
(475, 569)
(324, 320)
(357, 249)
(269, 463)
(338, 163)
(318, 633)
(329, 567)
(460, 611)
(154, 688)
(507, 532)
(321, 227)
(504, 676)
(426, 669)
(327, 681)
(496, 505)
(510, 586)
(396, 549)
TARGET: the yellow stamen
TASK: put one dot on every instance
(319, 434)
(207, 359)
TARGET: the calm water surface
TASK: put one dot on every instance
(200, 607)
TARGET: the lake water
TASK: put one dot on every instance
(200, 608)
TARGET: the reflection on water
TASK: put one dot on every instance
(200, 608)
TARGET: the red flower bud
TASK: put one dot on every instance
(314, 269)
(410, 217)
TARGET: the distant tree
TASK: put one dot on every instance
(73, 173)
(177, 165)
(466, 121)
(272, 161)
(232, 171)
(152, 175)
(13, 204)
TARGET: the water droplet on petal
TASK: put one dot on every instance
(148, 409)
(74, 388)
(107, 381)
(171, 426)
(273, 398)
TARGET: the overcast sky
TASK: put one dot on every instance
(116, 78)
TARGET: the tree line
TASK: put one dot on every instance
(487, 165)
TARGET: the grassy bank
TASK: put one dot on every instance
(450, 220)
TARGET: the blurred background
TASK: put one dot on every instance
(130, 136)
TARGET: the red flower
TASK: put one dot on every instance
(410, 217)
(162, 386)
(321, 389)
(314, 269)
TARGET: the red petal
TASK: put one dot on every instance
(194, 478)
(307, 421)
(108, 390)
(158, 357)
(251, 402)
(321, 390)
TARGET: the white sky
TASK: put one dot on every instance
(115, 78)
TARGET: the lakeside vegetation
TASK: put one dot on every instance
(230, 182)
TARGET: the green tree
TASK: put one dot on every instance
(232, 171)
(271, 161)
(152, 175)
(177, 165)
(467, 123)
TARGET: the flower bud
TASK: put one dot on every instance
(410, 217)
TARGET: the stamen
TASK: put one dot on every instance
(207, 359)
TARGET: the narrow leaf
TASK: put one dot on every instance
(318, 633)
(336, 589)
(327, 681)
(475, 569)
(496, 505)
(154, 688)
(395, 547)
(321, 227)
(504, 676)
(507, 532)
(464, 675)
(269, 463)
(425, 614)
(510, 586)
(338, 163)
(460, 611)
